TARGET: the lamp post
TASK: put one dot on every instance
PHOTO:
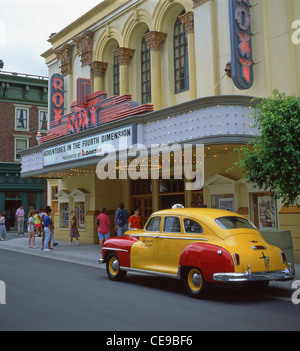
(1, 64)
(38, 137)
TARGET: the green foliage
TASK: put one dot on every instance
(272, 159)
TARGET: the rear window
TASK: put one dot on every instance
(232, 222)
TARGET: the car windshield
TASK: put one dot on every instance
(232, 222)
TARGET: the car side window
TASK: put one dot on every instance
(154, 224)
(172, 225)
(192, 227)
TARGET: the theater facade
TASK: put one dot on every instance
(177, 77)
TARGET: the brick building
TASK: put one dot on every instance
(23, 114)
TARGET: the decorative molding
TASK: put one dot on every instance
(197, 3)
(187, 20)
(84, 43)
(98, 68)
(124, 55)
(155, 40)
(64, 54)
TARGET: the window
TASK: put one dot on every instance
(154, 224)
(22, 118)
(232, 222)
(172, 225)
(116, 76)
(145, 72)
(181, 62)
(20, 144)
(43, 120)
(80, 214)
(64, 215)
(192, 227)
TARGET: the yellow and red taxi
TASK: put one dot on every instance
(199, 246)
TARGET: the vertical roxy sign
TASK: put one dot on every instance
(56, 97)
(241, 43)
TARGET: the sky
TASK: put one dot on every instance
(25, 27)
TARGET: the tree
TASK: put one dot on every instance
(272, 159)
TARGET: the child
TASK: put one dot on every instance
(3, 233)
(37, 223)
(74, 231)
(31, 229)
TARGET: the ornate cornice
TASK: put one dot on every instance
(64, 54)
(84, 43)
(155, 40)
(124, 55)
(98, 68)
(187, 19)
(197, 3)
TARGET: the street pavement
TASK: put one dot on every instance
(86, 254)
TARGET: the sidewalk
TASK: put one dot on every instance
(64, 251)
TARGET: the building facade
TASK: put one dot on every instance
(23, 113)
(163, 72)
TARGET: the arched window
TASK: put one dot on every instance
(116, 76)
(145, 72)
(181, 60)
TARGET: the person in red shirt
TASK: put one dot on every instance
(103, 222)
(134, 221)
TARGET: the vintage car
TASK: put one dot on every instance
(199, 246)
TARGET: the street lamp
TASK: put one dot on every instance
(1, 64)
(38, 136)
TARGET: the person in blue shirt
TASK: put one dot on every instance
(121, 220)
(47, 227)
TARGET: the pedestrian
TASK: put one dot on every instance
(74, 231)
(47, 227)
(3, 233)
(121, 220)
(20, 219)
(52, 235)
(134, 221)
(103, 222)
(31, 229)
(37, 224)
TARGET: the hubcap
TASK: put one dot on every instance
(196, 279)
(115, 265)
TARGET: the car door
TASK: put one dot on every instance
(171, 244)
(144, 253)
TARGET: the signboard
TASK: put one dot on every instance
(88, 147)
(56, 97)
(241, 43)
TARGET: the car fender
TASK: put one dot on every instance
(208, 258)
(121, 246)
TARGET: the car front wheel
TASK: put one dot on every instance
(113, 268)
(194, 283)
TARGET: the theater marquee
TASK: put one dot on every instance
(89, 146)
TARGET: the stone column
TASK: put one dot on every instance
(98, 69)
(155, 40)
(124, 56)
(187, 20)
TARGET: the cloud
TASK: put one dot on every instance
(25, 26)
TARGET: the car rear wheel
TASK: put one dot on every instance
(113, 268)
(194, 283)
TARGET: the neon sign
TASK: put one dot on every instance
(241, 45)
(56, 97)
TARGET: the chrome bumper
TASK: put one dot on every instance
(100, 260)
(248, 276)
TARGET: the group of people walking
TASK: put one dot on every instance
(123, 222)
(40, 224)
